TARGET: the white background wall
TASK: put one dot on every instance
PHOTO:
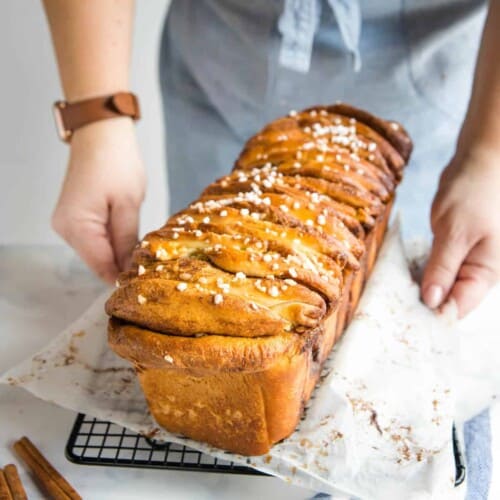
(32, 159)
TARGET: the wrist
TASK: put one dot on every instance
(71, 116)
(106, 149)
(476, 150)
(119, 128)
(476, 162)
(85, 91)
(479, 135)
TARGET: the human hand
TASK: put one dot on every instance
(465, 258)
(98, 208)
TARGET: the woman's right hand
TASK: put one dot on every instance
(98, 208)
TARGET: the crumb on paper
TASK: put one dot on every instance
(306, 443)
(152, 433)
(334, 435)
(374, 421)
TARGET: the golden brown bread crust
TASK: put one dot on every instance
(232, 410)
(391, 130)
(259, 312)
(240, 394)
(253, 257)
(232, 307)
(204, 354)
(239, 182)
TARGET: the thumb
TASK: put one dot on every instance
(440, 273)
(91, 242)
(476, 277)
(124, 221)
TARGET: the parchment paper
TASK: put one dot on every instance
(379, 423)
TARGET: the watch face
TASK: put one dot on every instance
(64, 134)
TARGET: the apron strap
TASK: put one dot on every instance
(348, 15)
(298, 24)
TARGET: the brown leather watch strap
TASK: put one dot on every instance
(71, 116)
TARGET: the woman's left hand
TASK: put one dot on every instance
(465, 258)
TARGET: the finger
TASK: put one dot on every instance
(474, 279)
(444, 262)
(92, 244)
(124, 223)
(468, 293)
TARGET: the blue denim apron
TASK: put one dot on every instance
(229, 66)
(223, 79)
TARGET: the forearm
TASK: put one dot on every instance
(482, 123)
(92, 41)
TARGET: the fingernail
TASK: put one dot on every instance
(433, 296)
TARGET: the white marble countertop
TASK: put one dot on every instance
(42, 289)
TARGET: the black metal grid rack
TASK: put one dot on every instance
(94, 442)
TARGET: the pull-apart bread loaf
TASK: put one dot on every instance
(232, 307)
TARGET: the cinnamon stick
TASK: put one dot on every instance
(46, 483)
(14, 481)
(44, 472)
(4, 488)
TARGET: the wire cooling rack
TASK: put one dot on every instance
(94, 442)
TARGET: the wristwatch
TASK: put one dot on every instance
(70, 116)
